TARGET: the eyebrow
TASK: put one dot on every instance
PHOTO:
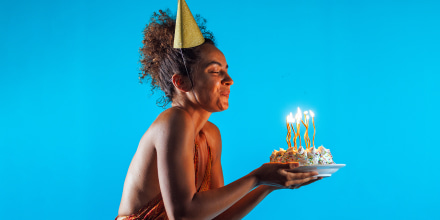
(215, 62)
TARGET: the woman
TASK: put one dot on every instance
(176, 172)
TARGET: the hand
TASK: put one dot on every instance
(281, 175)
(304, 184)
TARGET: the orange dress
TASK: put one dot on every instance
(155, 209)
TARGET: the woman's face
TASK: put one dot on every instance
(211, 79)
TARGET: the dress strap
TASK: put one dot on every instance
(196, 162)
(207, 178)
(206, 182)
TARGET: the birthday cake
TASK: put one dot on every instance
(308, 157)
(305, 157)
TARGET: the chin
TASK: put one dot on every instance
(223, 106)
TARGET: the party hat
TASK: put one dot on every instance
(187, 33)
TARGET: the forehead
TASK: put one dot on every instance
(210, 53)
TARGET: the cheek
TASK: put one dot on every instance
(209, 88)
(206, 92)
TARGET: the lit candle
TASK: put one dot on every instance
(288, 132)
(313, 122)
(306, 133)
(308, 137)
(294, 135)
(298, 121)
(289, 119)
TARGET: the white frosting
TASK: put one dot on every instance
(301, 156)
(279, 157)
(313, 156)
(289, 156)
(290, 150)
(326, 156)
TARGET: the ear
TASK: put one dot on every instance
(181, 82)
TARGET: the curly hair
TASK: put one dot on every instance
(160, 61)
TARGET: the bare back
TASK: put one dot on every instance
(142, 182)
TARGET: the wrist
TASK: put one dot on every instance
(254, 178)
(269, 188)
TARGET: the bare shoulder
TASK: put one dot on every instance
(173, 115)
(173, 123)
(213, 136)
(212, 129)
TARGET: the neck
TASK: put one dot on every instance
(199, 115)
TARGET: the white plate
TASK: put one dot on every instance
(323, 170)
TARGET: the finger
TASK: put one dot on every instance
(293, 165)
(289, 165)
(314, 173)
(300, 181)
(283, 172)
(307, 183)
(297, 176)
(312, 181)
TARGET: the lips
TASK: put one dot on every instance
(225, 93)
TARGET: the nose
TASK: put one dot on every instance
(227, 80)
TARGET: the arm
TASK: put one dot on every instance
(245, 204)
(175, 152)
(174, 146)
(240, 209)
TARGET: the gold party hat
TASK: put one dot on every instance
(187, 33)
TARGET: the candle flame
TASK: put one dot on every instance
(298, 118)
(290, 118)
(298, 114)
(312, 114)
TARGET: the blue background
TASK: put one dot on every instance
(72, 111)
